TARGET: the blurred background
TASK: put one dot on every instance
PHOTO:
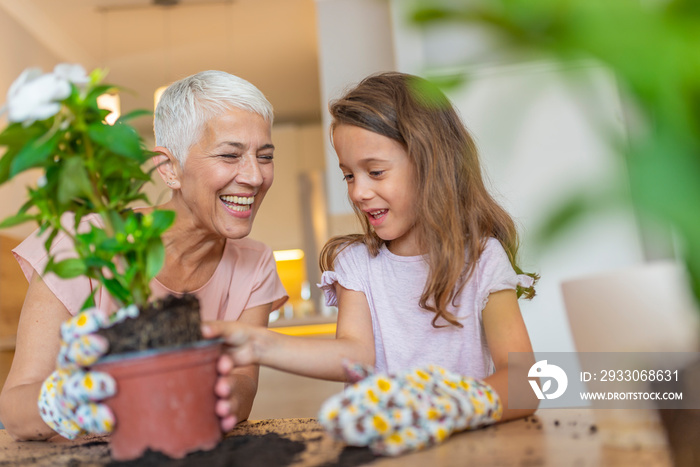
(554, 126)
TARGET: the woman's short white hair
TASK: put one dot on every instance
(187, 105)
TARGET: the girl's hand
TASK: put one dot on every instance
(242, 340)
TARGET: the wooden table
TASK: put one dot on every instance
(570, 437)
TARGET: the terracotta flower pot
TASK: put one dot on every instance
(165, 400)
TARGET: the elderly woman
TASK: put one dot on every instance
(213, 137)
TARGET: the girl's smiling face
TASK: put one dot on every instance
(381, 183)
(228, 172)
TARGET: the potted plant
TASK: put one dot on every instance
(92, 168)
(165, 376)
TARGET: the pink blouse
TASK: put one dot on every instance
(246, 277)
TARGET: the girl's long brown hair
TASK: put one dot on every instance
(455, 211)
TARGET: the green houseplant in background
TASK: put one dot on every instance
(653, 47)
(92, 168)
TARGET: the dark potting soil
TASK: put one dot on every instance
(269, 450)
(352, 456)
(167, 322)
(241, 451)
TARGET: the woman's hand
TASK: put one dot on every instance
(233, 388)
(238, 376)
(238, 371)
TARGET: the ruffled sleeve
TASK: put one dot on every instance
(348, 267)
(495, 273)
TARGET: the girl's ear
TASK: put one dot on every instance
(167, 166)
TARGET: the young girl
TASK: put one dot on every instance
(432, 280)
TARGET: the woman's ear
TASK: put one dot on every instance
(167, 166)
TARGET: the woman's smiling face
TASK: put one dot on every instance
(228, 172)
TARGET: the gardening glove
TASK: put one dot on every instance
(414, 409)
(68, 400)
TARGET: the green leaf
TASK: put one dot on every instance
(98, 263)
(35, 153)
(119, 138)
(69, 268)
(17, 135)
(49, 241)
(162, 220)
(111, 245)
(135, 114)
(91, 237)
(428, 14)
(15, 220)
(117, 290)
(572, 209)
(428, 93)
(155, 257)
(72, 101)
(103, 89)
(5, 163)
(131, 224)
(97, 91)
(97, 75)
(97, 115)
(73, 181)
(120, 168)
(90, 301)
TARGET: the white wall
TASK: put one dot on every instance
(298, 149)
(355, 40)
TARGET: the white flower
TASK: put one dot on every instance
(35, 96)
(72, 72)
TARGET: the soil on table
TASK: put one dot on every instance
(298, 442)
(266, 450)
(167, 322)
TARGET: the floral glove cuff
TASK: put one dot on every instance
(69, 397)
(414, 409)
(67, 402)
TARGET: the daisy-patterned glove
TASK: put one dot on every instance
(69, 397)
(414, 409)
